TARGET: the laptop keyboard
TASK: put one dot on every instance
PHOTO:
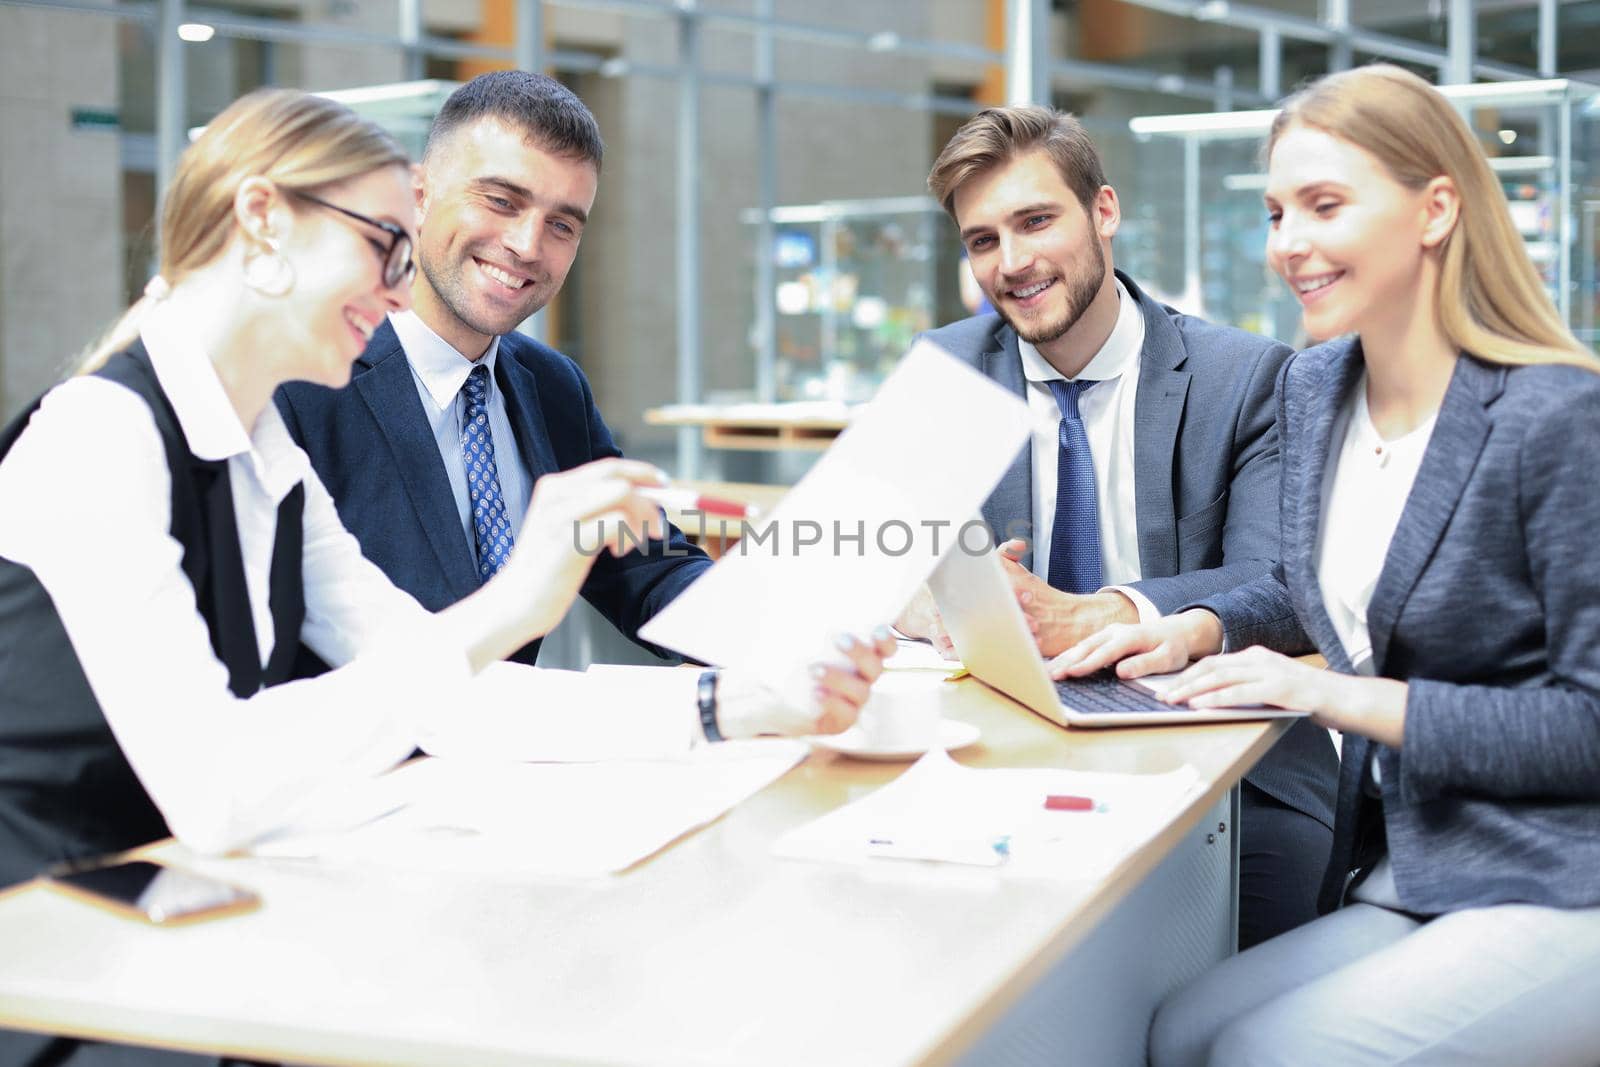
(1103, 692)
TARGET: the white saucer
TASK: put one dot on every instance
(953, 734)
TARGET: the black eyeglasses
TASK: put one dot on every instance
(398, 266)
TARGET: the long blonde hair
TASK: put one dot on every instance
(300, 142)
(1490, 300)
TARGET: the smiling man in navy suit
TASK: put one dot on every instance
(432, 451)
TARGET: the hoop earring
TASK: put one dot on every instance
(267, 271)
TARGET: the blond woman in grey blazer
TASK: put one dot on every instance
(1439, 514)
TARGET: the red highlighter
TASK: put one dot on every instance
(689, 500)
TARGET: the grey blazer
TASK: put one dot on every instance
(1206, 484)
(1488, 606)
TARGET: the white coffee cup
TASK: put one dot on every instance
(902, 714)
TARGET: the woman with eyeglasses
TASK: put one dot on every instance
(165, 548)
(1439, 517)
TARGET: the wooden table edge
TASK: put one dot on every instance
(1074, 928)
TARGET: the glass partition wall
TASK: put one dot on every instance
(716, 108)
(1201, 178)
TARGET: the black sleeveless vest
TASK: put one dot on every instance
(66, 791)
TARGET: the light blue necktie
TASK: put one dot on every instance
(491, 529)
(1075, 533)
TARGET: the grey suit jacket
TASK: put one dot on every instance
(1488, 606)
(1206, 484)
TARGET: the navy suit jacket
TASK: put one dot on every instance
(1206, 484)
(1488, 606)
(371, 445)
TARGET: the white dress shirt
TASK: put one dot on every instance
(1107, 409)
(1364, 491)
(439, 372)
(85, 495)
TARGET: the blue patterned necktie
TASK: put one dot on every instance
(1075, 533)
(491, 530)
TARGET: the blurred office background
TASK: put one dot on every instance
(762, 231)
(820, 116)
(83, 100)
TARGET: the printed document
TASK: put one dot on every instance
(1029, 823)
(534, 714)
(496, 817)
(848, 546)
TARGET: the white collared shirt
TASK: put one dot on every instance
(1107, 409)
(85, 503)
(1364, 491)
(439, 372)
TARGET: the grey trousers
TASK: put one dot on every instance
(1513, 985)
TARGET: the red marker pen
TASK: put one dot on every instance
(689, 500)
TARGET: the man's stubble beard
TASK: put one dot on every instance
(1081, 291)
(452, 293)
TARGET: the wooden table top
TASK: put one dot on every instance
(711, 952)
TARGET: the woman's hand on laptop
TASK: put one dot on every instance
(1372, 707)
(1138, 649)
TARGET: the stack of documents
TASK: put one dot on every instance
(533, 714)
(543, 819)
(543, 773)
(1045, 823)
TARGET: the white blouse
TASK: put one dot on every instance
(85, 503)
(1364, 490)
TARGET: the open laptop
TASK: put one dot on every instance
(991, 636)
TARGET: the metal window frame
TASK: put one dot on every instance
(1031, 73)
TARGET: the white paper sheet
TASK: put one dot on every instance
(883, 504)
(940, 810)
(517, 712)
(546, 820)
(919, 656)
